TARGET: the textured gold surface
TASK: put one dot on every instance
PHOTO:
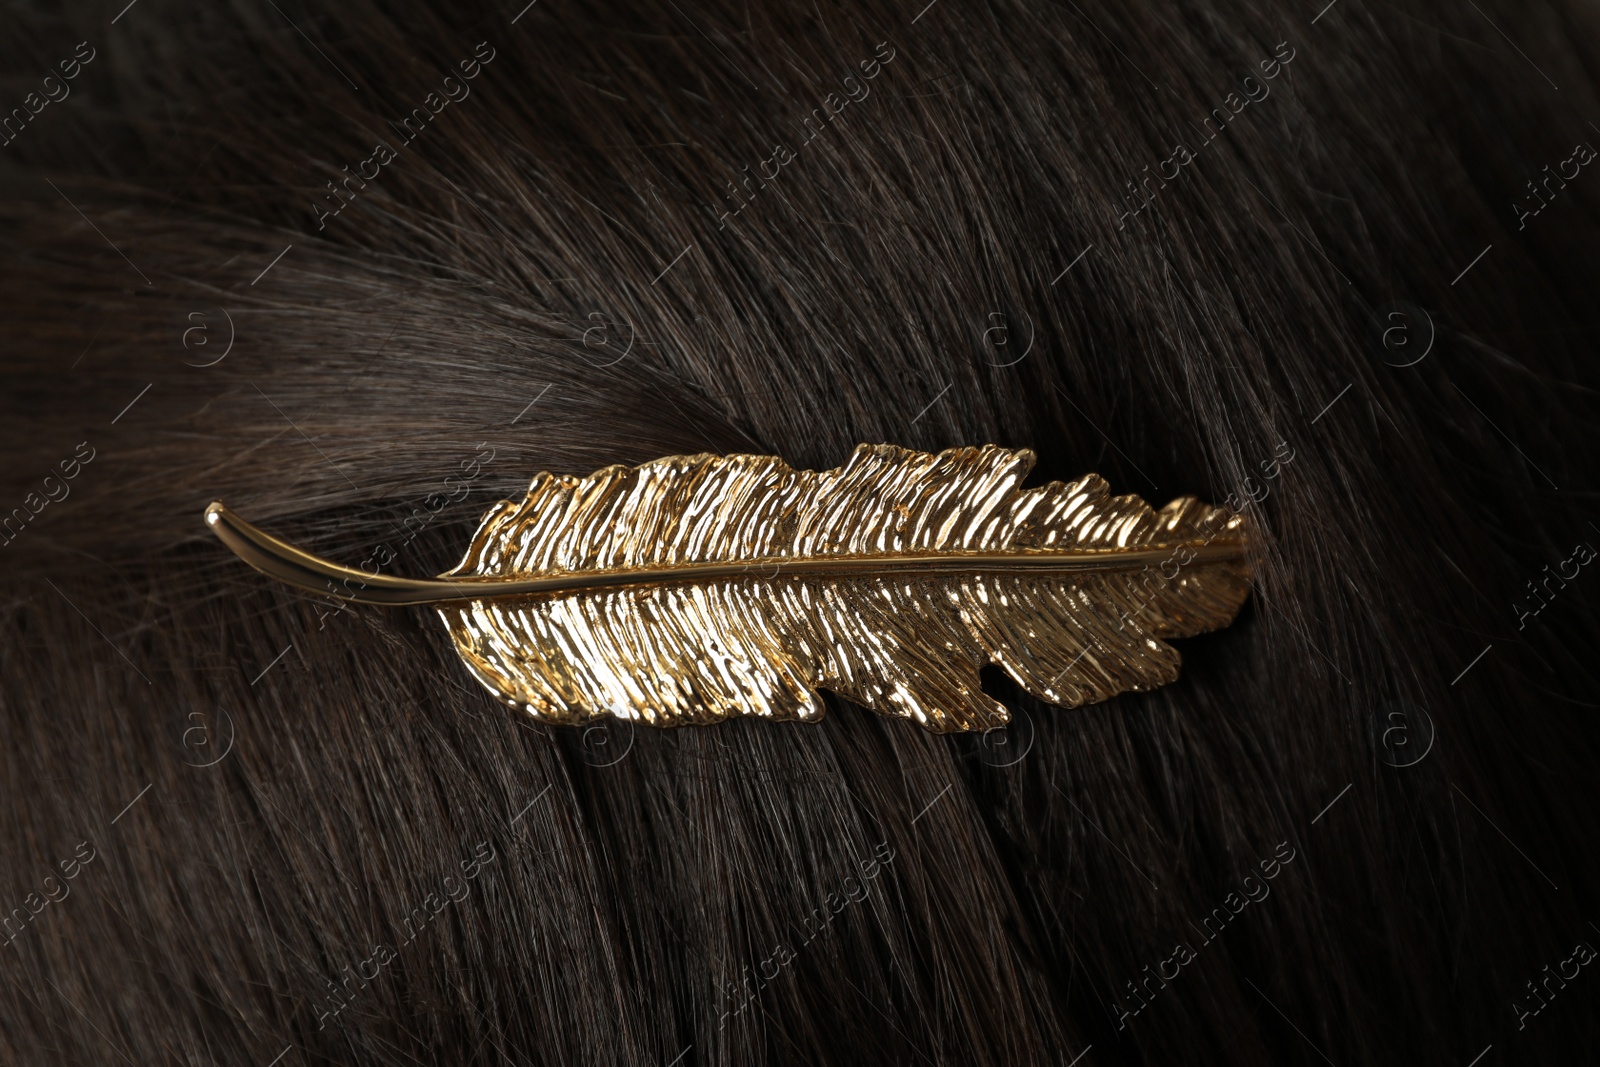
(696, 588)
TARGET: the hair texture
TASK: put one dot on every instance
(360, 270)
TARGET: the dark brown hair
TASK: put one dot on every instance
(361, 270)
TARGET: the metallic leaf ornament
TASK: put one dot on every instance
(696, 588)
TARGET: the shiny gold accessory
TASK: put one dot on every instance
(697, 588)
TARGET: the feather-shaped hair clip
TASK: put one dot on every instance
(697, 588)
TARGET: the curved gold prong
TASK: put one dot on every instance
(294, 566)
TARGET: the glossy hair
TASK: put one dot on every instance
(360, 270)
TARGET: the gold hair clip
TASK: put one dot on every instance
(697, 588)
